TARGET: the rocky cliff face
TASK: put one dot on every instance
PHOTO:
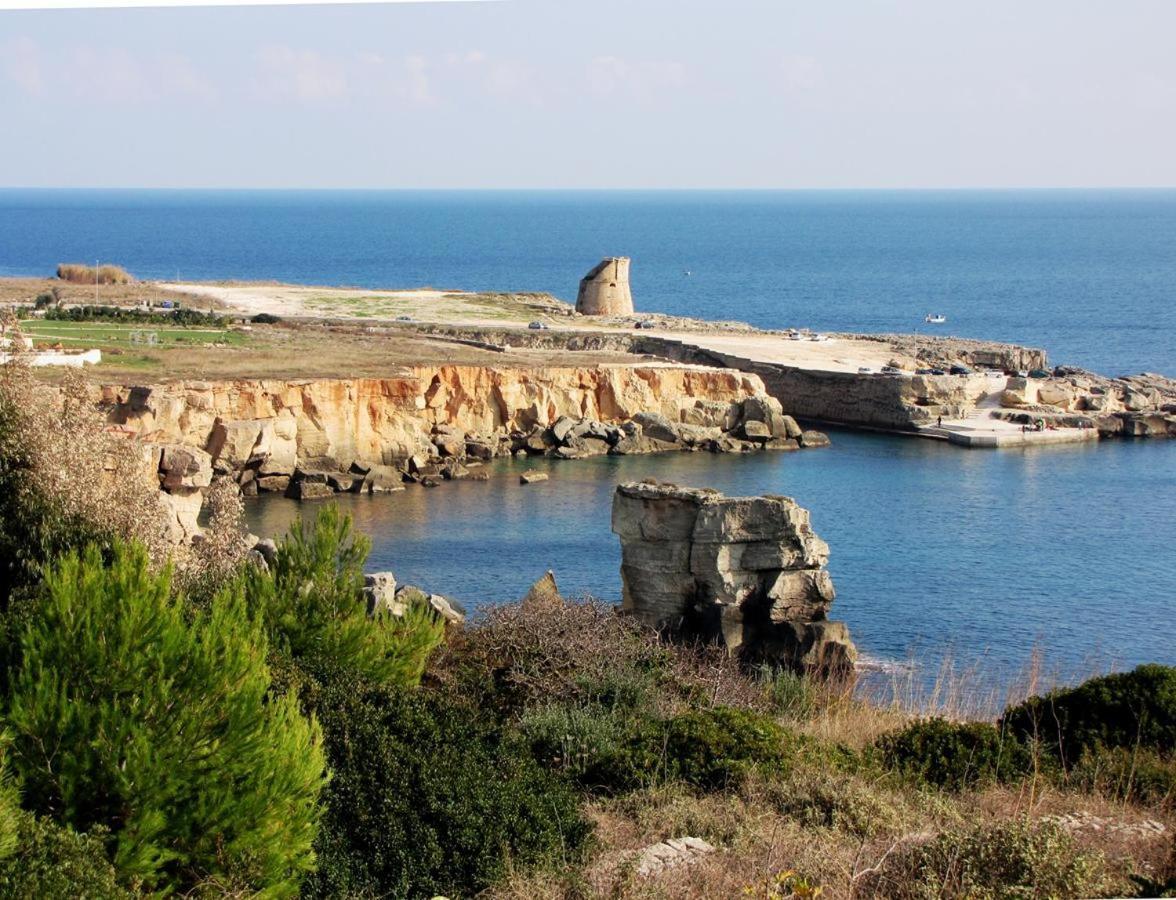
(1133, 406)
(745, 570)
(605, 290)
(424, 423)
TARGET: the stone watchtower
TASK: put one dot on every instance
(605, 290)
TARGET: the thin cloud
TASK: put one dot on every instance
(22, 65)
(306, 76)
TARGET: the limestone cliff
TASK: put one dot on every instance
(748, 571)
(329, 423)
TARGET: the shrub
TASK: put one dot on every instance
(83, 274)
(713, 748)
(1138, 776)
(311, 604)
(65, 481)
(546, 650)
(131, 712)
(1009, 859)
(426, 799)
(265, 319)
(954, 755)
(50, 860)
(182, 317)
(605, 749)
(816, 797)
(1127, 709)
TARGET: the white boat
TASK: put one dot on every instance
(934, 319)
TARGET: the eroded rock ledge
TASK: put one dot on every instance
(313, 438)
(748, 571)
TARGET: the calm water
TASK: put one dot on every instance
(983, 556)
(935, 550)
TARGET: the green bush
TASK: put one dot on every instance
(132, 712)
(425, 798)
(51, 861)
(816, 797)
(1009, 859)
(265, 319)
(1127, 709)
(954, 755)
(135, 316)
(1139, 776)
(311, 603)
(713, 748)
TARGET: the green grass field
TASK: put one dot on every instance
(107, 335)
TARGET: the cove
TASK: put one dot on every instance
(937, 553)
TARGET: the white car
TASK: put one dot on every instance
(891, 370)
(538, 326)
(865, 370)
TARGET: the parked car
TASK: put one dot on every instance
(865, 370)
(960, 370)
(924, 371)
(891, 370)
(404, 318)
(1039, 373)
(646, 323)
(538, 326)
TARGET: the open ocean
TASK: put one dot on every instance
(984, 557)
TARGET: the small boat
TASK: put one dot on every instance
(688, 272)
(934, 319)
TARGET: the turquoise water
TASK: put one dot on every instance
(981, 556)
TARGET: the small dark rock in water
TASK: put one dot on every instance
(309, 490)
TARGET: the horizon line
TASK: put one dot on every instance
(549, 189)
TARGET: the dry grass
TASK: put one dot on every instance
(81, 470)
(79, 273)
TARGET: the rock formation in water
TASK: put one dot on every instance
(605, 290)
(748, 571)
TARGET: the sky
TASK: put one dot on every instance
(593, 94)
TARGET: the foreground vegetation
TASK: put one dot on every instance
(193, 721)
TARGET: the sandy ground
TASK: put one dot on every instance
(829, 355)
(477, 310)
(424, 305)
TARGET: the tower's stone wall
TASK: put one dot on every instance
(605, 290)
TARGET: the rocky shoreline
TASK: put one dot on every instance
(310, 440)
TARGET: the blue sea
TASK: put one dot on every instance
(987, 558)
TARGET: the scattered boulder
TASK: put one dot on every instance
(379, 593)
(532, 477)
(670, 854)
(184, 467)
(309, 490)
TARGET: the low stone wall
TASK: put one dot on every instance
(747, 571)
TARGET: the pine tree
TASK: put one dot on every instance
(312, 606)
(133, 712)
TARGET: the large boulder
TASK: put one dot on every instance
(184, 467)
(746, 571)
